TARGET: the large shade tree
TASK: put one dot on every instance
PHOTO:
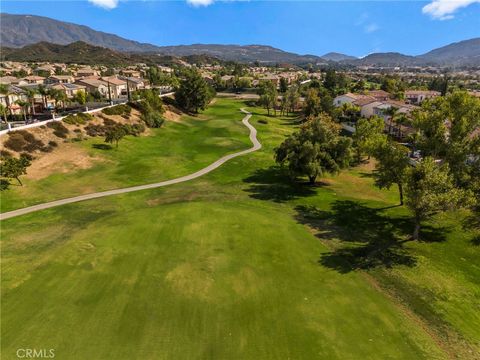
(316, 149)
(194, 93)
(430, 189)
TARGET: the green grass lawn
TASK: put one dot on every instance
(175, 150)
(239, 264)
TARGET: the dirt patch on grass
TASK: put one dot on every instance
(172, 116)
(68, 157)
(190, 281)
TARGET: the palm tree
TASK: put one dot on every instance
(391, 112)
(3, 111)
(42, 90)
(24, 106)
(5, 90)
(31, 98)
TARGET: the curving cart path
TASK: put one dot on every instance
(253, 138)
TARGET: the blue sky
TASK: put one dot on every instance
(306, 27)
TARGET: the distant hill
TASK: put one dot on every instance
(21, 30)
(334, 56)
(80, 53)
(386, 59)
(465, 52)
(245, 53)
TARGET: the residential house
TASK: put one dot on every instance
(379, 95)
(86, 72)
(44, 69)
(367, 106)
(9, 80)
(118, 87)
(134, 83)
(60, 79)
(349, 98)
(418, 96)
(69, 89)
(94, 85)
(33, 79)
(131, 73)
(13, 95)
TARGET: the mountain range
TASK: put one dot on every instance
(23, 30)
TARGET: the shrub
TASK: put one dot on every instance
(153, 119)
(122, 109)
(59, 129)
(95, 130)
(34, 145)
(27, 156)
(29, 137)
(15, 142)
(109, 122)
(52, 143)
(78, 119)
(5, 153)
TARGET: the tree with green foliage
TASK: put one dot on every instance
(80, 97)
(391, 165)
(330, 82)
(447, 128)
(114, 134)
(5, 90)
(193, 93)
(283, 86)
(316, 149)
(293, 99)
(312, 105)
(268, 96)
(429, 190)
(24, 106)
(31, 99)
(13, 168)
(3, 112)
(348, 112)
(368, 134)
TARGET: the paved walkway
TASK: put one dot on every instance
(253, 138)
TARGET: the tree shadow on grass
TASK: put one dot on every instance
(369, 238)
(274, 184)
(102, 146)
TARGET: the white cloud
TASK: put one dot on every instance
(444, 9)
(200, 2)
(370, 28)
(105, 4)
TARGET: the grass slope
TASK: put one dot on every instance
(238, 264)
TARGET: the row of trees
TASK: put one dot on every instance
(28, 106)
(287, 100)
(446, 131)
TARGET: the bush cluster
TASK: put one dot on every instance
(77, 119)
(101, 130)
(22, 140)
(153, 119)
(122, 109)
(59, 129)
(151, 108)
